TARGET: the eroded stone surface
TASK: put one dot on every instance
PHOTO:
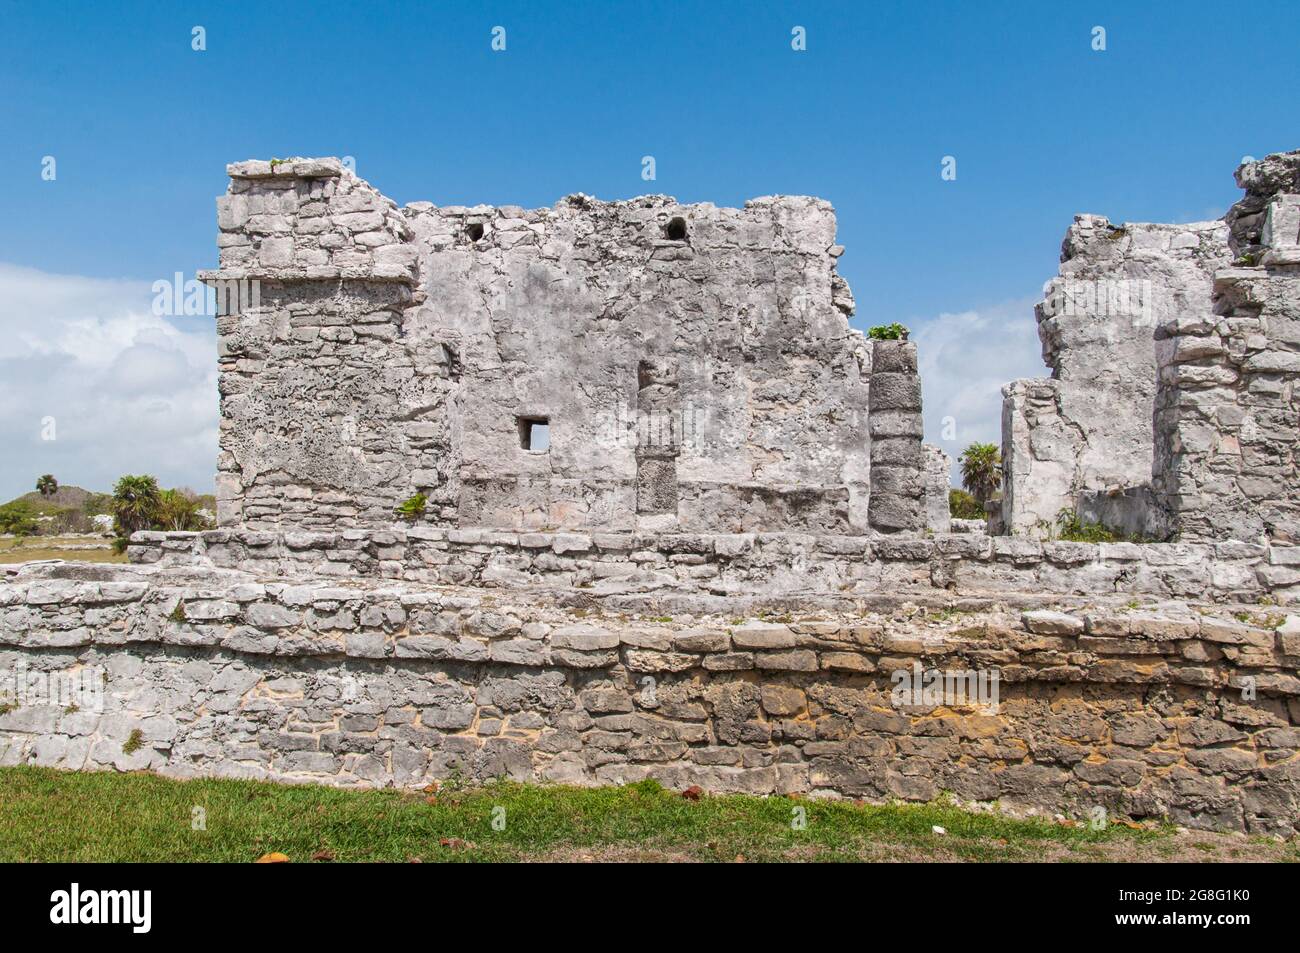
(1157, 710)
(1172, 409)
(1228, 408)
(693, 366)
(1084, 437)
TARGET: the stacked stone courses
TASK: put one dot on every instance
(402, 351)
(897, 459)
(1175, 417)
(1228, 407)
(1136, 710)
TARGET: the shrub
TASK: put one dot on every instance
(888, 332)
(68, 519)
(178, 510)
(135, 504)
(1071, 529)
(963, 506)
(17, 518)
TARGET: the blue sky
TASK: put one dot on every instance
(1041, 125)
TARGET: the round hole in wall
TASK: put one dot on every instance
(675, 230)
(474, 231)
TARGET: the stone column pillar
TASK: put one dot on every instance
(897, 461)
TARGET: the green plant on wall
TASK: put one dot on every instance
(413, 507)
(888, 332)
(1074, 530)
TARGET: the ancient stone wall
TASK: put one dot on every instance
(332, 403)
(1173, 713)
(798, 568)
(1084, 438)
(1228, 410)
(680, 523)
(599, 366)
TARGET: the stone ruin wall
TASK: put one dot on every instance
(1173, 414)
(938, 483)
(1228, 407)
(1083, 439)
(1145, 713)
(694, 365)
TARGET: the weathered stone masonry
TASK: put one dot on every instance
(1173, 407)
(1228, 406)
(746, 568)
(1083, 438)
(694, 365)
(1137, 711)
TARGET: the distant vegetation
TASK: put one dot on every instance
(18, 518)
(981, 471)
(963, 506)
(137, 502)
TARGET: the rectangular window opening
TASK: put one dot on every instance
(535, 434)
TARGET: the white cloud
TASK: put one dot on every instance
(129, 391)
(964, 360)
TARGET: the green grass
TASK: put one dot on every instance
(30, 553)
(49, 815)
(54, 547)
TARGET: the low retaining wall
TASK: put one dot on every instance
(748, 563)
(1174, 712)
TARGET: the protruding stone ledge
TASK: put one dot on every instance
(323, 168)
(756, 563)
(322, 618)
(377, 272)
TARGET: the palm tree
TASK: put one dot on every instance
(47, 485)
(135, 503)
(981, 470)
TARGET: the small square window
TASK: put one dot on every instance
(535, 434)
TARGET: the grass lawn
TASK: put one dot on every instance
(40, 547)
(48, 815)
